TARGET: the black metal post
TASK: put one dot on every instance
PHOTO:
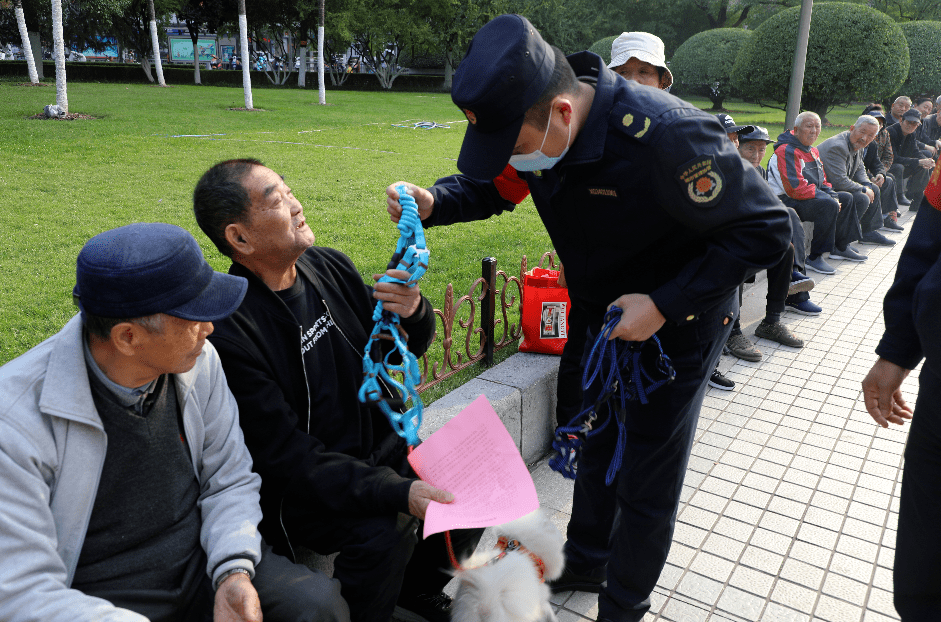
(488, 266)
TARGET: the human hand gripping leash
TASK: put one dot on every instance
(618, 365)
(411, 255)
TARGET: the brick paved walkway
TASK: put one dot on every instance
(790, 503)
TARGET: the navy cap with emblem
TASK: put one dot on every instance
(506, 69)
(729, 125)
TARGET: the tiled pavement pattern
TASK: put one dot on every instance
(790, 503)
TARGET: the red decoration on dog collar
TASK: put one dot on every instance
(506, 545)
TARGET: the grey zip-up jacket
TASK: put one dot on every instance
(52, 450)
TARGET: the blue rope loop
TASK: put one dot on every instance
(411, 255)
(626, 372)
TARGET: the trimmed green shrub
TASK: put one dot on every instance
(602, 47)
(855, 53)
(703, 64)
(924, 48)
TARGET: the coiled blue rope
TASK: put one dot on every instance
(622, 362)
(411, 254)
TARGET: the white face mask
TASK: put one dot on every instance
(537, 160)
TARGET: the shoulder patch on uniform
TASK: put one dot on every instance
(632, 122)
(701, 180)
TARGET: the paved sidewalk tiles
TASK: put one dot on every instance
(790, 503)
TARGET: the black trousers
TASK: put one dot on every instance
(288, 592)
(836, 222)
(916, 179)
(917, 575)
(779, 279)
(628, 527)
(381, 557)
(569, 382)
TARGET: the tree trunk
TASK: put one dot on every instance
(448, 70)
(321, 85)
(196, 65)
(302, 69)
(145, 65)
(320, 76)
(24, 38)
(246, 56)
(62, 95)
(35, 48)
(156, 43)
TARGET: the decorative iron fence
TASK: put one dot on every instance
(459, 347)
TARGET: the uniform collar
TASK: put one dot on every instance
(589, 145)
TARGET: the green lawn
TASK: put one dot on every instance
(64, 181)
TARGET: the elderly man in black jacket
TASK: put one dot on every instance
(911, 164)
(334, 473)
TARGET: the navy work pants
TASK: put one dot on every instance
(628, 526)
(917, 575)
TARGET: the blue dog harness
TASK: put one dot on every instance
(411, 254)
(626, 378)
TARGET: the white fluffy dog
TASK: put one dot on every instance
(505, 584)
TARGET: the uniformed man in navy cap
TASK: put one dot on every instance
(651, 209)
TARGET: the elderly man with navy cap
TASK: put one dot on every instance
(126, 490)
(651, 209)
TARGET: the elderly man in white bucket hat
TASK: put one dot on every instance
(638, 56)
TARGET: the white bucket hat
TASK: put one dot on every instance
(642, 46)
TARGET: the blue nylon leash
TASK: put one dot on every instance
(411, 255)
(626, 378)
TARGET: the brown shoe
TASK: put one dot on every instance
(777, 331)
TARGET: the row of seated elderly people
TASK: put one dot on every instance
(851, 187)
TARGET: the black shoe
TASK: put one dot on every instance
(889, 224)
(572, 582)
(874, 237)
(719, 381)
(423, 608)
(904, 201)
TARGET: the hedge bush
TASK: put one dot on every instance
(924, 48)
(703, 64)
(602, 47)
(855, 53)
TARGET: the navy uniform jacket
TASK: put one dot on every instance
(651, 198)
(913, 304)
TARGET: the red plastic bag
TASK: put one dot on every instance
(544, 312)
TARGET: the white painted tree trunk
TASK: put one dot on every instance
(302, 70)
(320, 77)
(246, 56)
(156, 43)
(196, 64)
(62, 95)
(24, 38)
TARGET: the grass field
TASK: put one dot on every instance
(62, 182)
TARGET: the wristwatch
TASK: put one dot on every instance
(228, 573)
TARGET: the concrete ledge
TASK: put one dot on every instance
(522, 391)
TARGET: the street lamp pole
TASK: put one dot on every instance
(797, 70)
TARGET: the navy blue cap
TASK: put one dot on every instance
(506, 69)
(729, 125)
(911, 115)
(146, 268)
(758, 133)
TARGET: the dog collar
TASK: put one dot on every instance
(506, 546)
